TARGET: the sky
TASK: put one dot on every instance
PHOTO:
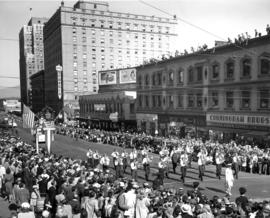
(199, 22)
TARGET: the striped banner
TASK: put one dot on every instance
(28, 117)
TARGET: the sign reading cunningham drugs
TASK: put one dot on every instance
(243, 119)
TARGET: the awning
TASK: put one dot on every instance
(256, 133)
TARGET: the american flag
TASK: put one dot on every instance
(28, 117)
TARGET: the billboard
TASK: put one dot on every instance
(127, 75)
(99, 107)
(107, 78)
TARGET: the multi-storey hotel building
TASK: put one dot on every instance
(88, 37)
(226, 89)
(31, 55)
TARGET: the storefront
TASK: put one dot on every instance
(227, 126)
(182, 125)
(147, 123)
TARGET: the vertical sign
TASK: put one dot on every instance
(59, 80)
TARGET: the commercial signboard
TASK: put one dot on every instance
(107, 77)
(59, 69)
(127, 75)
(240, 121)
(99, 107)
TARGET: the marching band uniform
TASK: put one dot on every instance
(146, 165)
(90, 159)
(175, 159)
(219, 162)
(115, 154)
(117, 167)
(183, 165)
(134, 168)
(229, 179)
(121, 167)
(161, 169)
(124, 156)
(105, 162)
(201, 163)
(96, 158)
(236, 165)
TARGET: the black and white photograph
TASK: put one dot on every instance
(134, 109)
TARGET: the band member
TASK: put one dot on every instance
(96, 157)
(166, 161)
(90, 159)
(124, 156)
(175, 156)
(236, 164)
(115, 154)
(219, 161)
(146, 165)
(161, 169)
(229, 179)
(134, 168)
(121, 166)
(183, 165)
(133, 154)
(201, 163)
(105, 162)
(117, 166)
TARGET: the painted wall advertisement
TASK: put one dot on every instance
(127, 76)
(107, 78)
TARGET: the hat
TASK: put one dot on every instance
(96, 185)
(186, 208)
(25, 205)
(266, 209)
(121, 184)
(135, 185)
(242, 190)
(35, 187)
(60, 197)
(45, 214)
(196, 184)
(146, 184)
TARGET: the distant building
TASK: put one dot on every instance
(10, 105)
(113, 108)
(31, 55)
(225, 92)
(38, 93)
(88, 37)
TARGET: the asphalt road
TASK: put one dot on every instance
(257, 185)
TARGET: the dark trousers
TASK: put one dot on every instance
(147, 171)
(236, 170)
(174, 165)
(183, 173)
(134, 174)
(218, 170)
(201, 171)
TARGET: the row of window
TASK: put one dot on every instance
(197, 73)
(197, 100)
(108, 108)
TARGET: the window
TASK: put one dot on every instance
(140, 100)
(171, 100)
(153, 79)
(215, 71)
(229, 99)
(190, 100)
(265, 64)
(199, 100)
(146, 101)
(180, 101)
(264, 98)
(139, 81)
(153, 101)
(245, 99)
(180, 76)
(190, 75)
(159, 100)
(214, 99)
(171, 77)
(230, 70)
(146, 80)
(199, 70)
(246, 67)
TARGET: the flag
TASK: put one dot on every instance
(28, 117)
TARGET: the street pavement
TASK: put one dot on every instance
(257, 185)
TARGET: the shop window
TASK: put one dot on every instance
(245, 99)
(229, 99)
(246, 67)
(190, 100)
(229, 70)
(264, 99)
(132, 108)
(199, 100)
(146, 80)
